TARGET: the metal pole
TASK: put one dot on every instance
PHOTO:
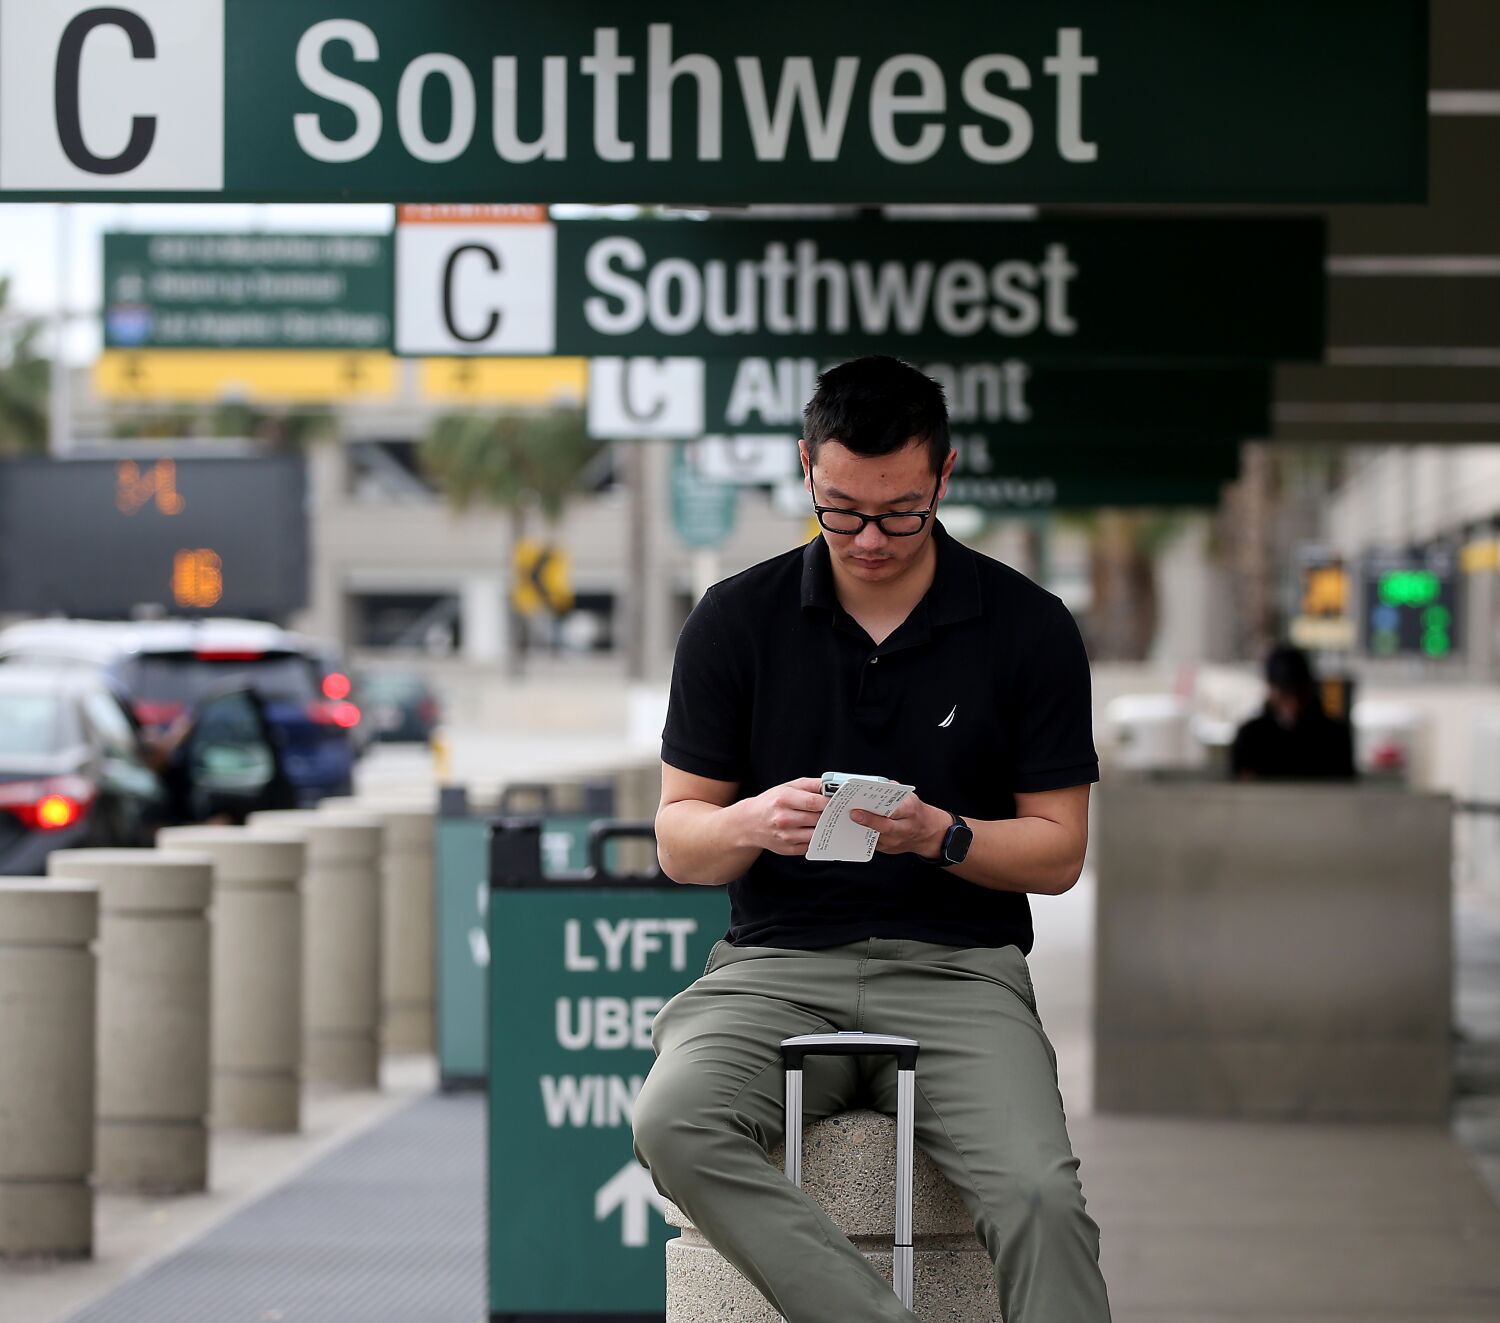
(637, 557)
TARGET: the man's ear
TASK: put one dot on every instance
(948, 463)
(806, 463)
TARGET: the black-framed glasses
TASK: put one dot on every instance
(898, 523)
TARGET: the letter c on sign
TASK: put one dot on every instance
(65, 91)
(493, 324)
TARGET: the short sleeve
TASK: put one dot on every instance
(706, 726)
(1054, 728)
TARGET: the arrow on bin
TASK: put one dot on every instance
(629, 1189)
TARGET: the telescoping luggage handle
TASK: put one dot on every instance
(794, 1051)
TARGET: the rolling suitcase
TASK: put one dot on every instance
(793, 1052)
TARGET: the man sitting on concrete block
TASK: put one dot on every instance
(887, 649)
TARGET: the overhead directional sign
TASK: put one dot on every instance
(247, 291)
(689, 398)
(1223, 290)
(676, 101)
(1019, 476)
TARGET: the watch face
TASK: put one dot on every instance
(956, 844)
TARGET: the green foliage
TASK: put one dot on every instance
(509, 460)
(25, 380)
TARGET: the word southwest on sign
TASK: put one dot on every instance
(771, 96)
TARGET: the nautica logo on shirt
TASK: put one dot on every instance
(948, 720)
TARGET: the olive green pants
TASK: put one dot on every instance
(988, 1112)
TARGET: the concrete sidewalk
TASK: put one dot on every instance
(1226, 1222)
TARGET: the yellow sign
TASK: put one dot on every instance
(541, 580)
(1482, 556)
(197, 578)
(1325, 591)
(539, 381)
(292, 376)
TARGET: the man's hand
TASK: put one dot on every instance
(912, 828)
(782, 818)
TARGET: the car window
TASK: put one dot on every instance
(185, 677)
(111, 725)
(228, 750)
(30, 723)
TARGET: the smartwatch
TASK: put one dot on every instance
(956, 842)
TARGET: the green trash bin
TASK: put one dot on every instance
(579, 967)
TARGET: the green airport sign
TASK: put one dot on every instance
(674, 101)
(261, 290)
(1202, 291)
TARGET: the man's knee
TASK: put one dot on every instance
(1043, 1198)
(671, 1117)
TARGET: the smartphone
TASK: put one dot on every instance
(833, 780)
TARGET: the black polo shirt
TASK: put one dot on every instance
(983, 691)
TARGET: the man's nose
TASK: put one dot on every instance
(870, 538)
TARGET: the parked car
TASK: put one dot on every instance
(76, 770)
(398, 705)
(161, 668)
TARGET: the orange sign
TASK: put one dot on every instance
(469, 213)
(197, 578)
(135, 488)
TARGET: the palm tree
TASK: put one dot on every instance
(510, 462)
(24, 381)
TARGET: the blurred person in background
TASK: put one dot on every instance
(1293, 738)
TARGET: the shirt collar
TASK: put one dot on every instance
(953, 596)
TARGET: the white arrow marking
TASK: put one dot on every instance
(629, 1189)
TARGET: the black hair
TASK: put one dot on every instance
(877, 405)
(1288, 669)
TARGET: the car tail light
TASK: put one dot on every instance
(157, 714)
(229, 654)
(427, 711)
(336, 686)
(334, 714)
(49, 804)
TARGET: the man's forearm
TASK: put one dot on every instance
(1034, 855)
(701, 843)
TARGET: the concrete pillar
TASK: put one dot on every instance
(482, 613)
(47, 1066)
(407, 901)
(256, 1033)
(151, 1133)
(637, 794)
(849, 1167)
(341, 942)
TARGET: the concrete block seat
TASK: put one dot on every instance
(849, 1167)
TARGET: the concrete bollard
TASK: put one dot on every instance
(341, 942)
(47, 1066)
(151, 1133)
(407, 901)
(256, 999)
(849, 1167)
